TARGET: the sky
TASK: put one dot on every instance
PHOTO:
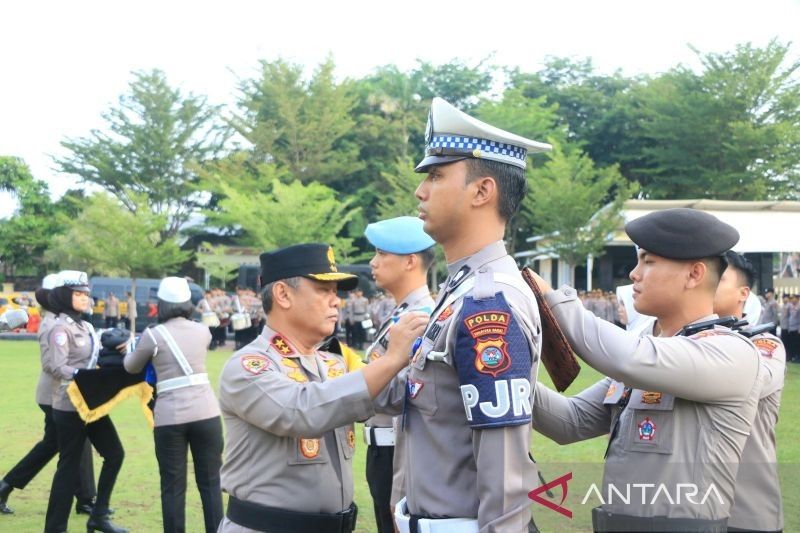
(62, 64)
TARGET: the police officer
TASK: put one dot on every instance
(186, 411)
(679, 407)
(758, 505)
(73, 346)
(467, 465)
(403, 255)
(289, 408)
(44, 450)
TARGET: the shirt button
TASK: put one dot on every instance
(568, 292)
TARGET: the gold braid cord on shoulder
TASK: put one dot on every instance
(557, 356)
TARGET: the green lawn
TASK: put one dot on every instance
(136, 496)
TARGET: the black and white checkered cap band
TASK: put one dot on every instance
(507, 153)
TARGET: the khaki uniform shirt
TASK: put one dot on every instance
(111, 308)
(71, 346)
(469, 394)
(691, 405)
(758, 504)
(290, 438)
(47, 382)
(187, 404)
(418, 300)
(132, 308)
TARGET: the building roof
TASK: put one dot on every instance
(762, 226)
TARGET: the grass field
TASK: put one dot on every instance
(136, 497)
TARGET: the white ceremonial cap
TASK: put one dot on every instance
(174, 290)
(453, 135)
(51, 281)
(74, 279)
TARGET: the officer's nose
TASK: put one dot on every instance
(422, 190)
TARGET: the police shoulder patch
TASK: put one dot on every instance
(493, 360)
(255, 364)
(766, 347)
(59, 337)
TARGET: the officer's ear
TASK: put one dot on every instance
(697, 275)
(484, 190)
(282, 295)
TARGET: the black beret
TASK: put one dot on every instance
(682, 233)
(315, 261)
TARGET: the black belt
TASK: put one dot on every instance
(603, 522)
(272, 520)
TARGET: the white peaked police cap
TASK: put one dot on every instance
(74, 279)
(453, 135)
(175, 290)
(51, 281)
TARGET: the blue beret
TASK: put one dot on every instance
(682, 233)
(401, 235)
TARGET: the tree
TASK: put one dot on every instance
(730, 132)
(597, 110)
(402, 183)
(215, 262)
(528, 117)
(299, 125)
(155, 136)
(576, 206)
(25, 236)
(111, 239)
(287, 214)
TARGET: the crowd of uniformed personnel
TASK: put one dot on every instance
(448, 390)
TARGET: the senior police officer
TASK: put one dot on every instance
(403, 255)
(290, 438)
(679, 407)
(468, 390)
(758, 505)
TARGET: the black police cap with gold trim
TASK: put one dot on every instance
(313, 261)
(682, 233)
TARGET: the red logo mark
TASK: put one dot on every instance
(562, 482)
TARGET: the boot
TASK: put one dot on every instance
(5, 490)
(104, 524)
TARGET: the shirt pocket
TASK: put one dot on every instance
(421, 389)
(308, 451)
(346, 439)
(650, 426)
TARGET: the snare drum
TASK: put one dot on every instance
(240, 321)
(210, 319)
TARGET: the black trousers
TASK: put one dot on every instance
(245, 336)
(793, 346)
(204, 437)
(42, 452)
(379, 479)
(72, 435)
(359, 335)
(111, 321)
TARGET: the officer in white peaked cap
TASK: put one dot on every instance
(468, 391)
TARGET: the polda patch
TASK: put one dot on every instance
(488, 328)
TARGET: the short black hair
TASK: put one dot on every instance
(747, 274)
(427, 256)
(168, 310)
(511, 183)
